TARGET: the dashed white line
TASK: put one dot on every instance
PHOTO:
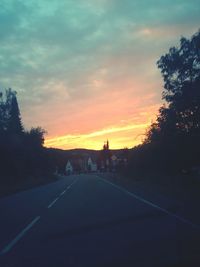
(28, 227)
(53, 202)
(69, 186)
(153, 205)
(72, 183)
(19, 236)
(61, 194)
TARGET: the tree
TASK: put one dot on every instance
(36, 137)
(21, 152)
(2, 114)
(175, 136)
(180, 69)
(14, 124)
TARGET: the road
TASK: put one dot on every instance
(85, 221)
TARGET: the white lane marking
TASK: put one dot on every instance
(73, 183)
(56, 199)
(153, 205)
(69, 186)
(61, 194)
(53, 202)
(19, 236)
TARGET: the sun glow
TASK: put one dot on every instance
(127, 132)
(119, 136)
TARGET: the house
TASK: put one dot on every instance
(69, 168)
(92, 166)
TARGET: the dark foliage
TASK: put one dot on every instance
(21, 152)
(173, 141)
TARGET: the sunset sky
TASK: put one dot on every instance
(85, 70)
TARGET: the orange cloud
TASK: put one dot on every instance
(119, 136)
(128, 133)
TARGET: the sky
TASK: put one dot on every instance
(85, 70)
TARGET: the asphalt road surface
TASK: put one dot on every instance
(85, 221)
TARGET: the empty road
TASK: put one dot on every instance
(85, 221)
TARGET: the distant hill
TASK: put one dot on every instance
(81, 151)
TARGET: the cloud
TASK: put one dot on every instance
(126, 132)
(75, 61)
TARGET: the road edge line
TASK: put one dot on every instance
(152, 204)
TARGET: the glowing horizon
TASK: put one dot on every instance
(126, 135)
(95, 140)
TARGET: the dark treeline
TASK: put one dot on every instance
(172, 142)
(21, 152)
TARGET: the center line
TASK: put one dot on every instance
(69, 186)
(19, 236)
(63, 193)
(52, 203)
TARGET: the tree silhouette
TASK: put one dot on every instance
(36, 136)
(173, 140)
(21, 152)
(2, 115)
(14, 124)
(180, 69)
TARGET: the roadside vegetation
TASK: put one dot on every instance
(23, 159)
(172, 143)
